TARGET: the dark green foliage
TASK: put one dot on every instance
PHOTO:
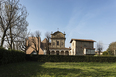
(64, 58)
(105, 53)
(110, 52)
(11, 56)
(31, 57)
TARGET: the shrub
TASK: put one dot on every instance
(105, 53)
(110, 52)
(64, 58)
(11, 56)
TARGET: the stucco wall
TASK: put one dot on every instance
(80, 45)
(73, 48)
(58, 37)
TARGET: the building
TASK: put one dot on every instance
(30, 50)
(82, 47)
(57, 46)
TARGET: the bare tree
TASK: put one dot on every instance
(99, 47)
(35, 41)
(47, 34)
(12, 21)
(23, 44)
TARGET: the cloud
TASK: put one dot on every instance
(78, 23)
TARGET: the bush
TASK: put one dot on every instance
(64, 58)
(110, 52)
(105, 53)
(11, 56)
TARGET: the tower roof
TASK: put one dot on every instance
(56, 32)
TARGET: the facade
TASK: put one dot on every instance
(82, 47)
(57, 46)
(30, 50)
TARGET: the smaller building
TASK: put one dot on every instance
(31, 49)
(82, 47)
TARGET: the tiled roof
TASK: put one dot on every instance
(57, 32)
(82, 40)
(44, 41)
(30, 50)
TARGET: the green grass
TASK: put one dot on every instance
(57, 69)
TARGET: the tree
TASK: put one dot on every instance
(99, 47)
(35, 41)
(111, 48)
(12, 21)
(23, 43)
(105, 53)
(47, 34)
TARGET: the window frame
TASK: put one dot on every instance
(57, 42)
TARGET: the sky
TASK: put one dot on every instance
(79, 19)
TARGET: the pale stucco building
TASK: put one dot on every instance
(82, 47)
(57, 46)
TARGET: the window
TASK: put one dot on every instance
(57, 42)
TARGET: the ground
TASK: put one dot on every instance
(58, 69)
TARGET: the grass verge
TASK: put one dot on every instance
(58, 69)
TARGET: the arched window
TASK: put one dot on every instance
(57, 52)
(52, 53)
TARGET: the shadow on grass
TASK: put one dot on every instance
(35, 69)
(23, 69)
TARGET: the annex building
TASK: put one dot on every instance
(82, 47)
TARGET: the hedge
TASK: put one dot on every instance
(64, 58)
(11, 56)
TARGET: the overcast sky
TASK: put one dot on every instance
(80, 19)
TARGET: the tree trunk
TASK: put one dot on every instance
(38, 46)
(48, 47)
(99, 52)
(2, 41)
(11, 38)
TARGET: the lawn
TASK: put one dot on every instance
(58, 69)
